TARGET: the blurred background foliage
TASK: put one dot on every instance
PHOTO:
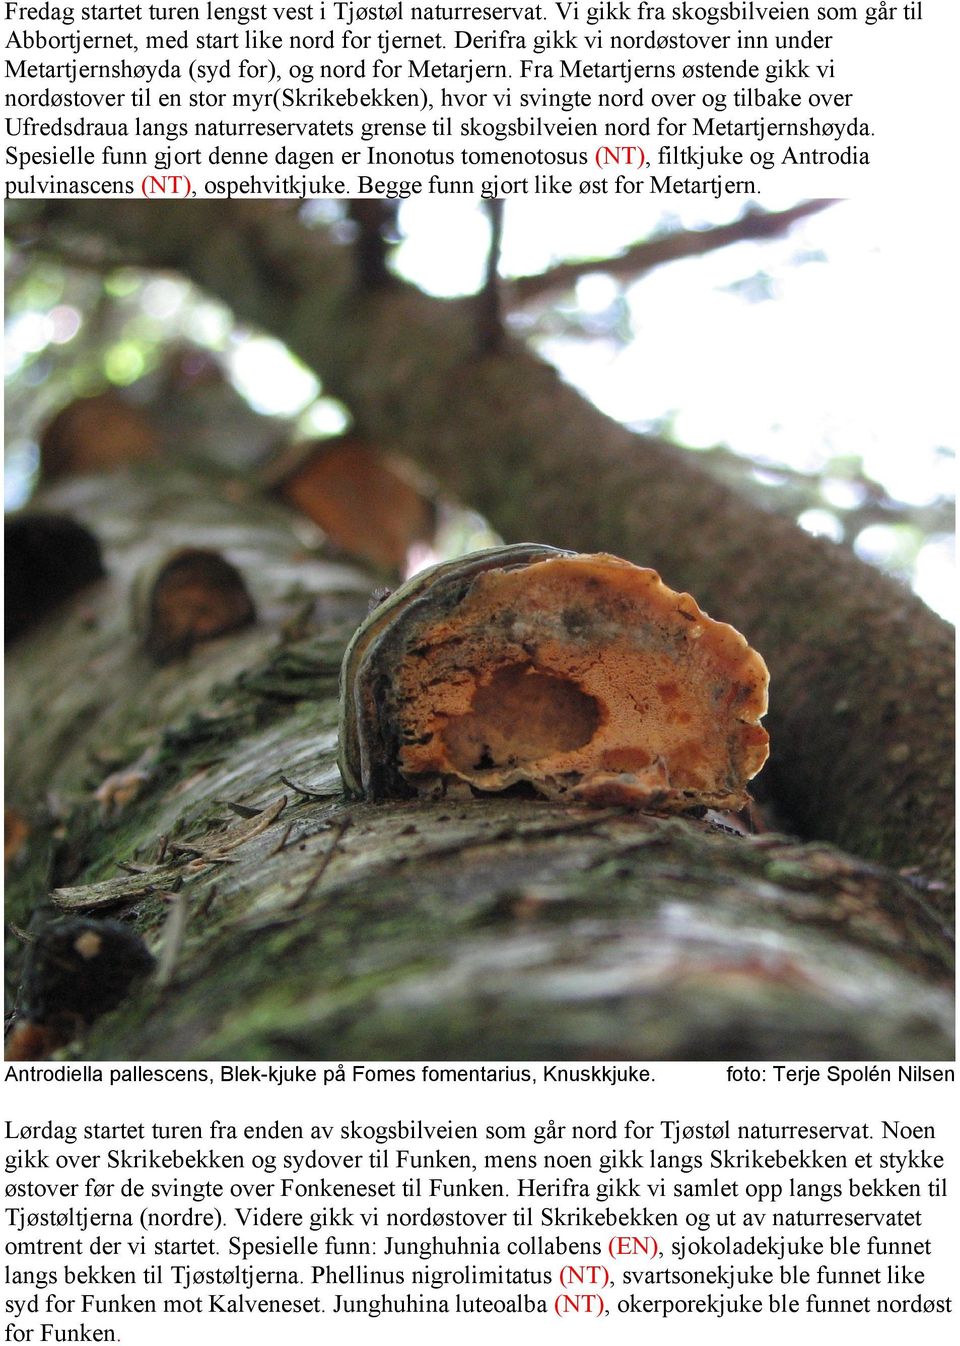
(811, 372)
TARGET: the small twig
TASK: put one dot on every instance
(234, 836)
(282, 843)
(339, 827)
(306, 791)
(21, 935)
(243, 810)
(207, 901)
(201, 862)
(182, 848)
(99, 896)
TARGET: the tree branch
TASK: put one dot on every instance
(489, 299)
(643, 257)
(372, 217)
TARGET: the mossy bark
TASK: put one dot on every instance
(862, 673)
(502, 928)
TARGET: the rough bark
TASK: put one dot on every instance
(862, 672)
(502, 928)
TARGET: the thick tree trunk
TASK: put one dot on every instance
(502, 928)
(862, 673)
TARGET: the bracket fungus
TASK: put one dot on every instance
(370, 504)
(47, 559)
(189, 596)
(75, 970)
(581, 677)
(96, 434)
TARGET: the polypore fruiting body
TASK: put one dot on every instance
(75, 970)
(48, 558)
(370, 505)
(192, 596)
(583, 677)
(16, 830)
(96, 434)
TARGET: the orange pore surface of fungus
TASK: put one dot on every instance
(588, 678)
